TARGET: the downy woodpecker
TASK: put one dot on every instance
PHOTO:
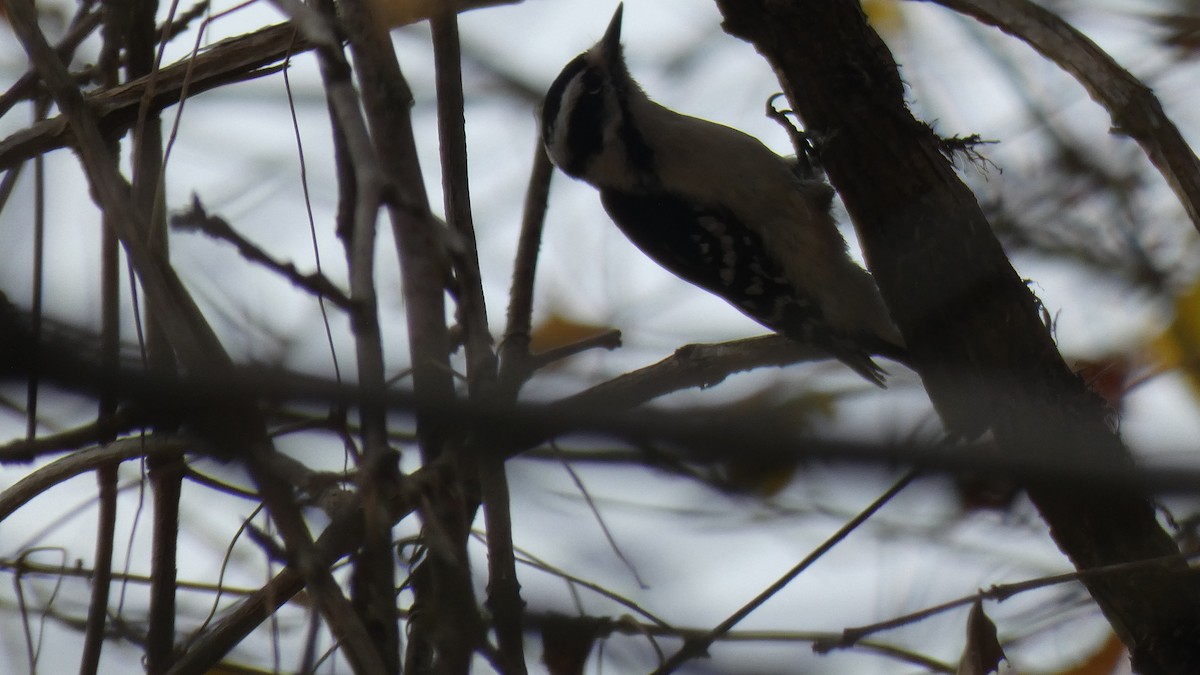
(717, 208)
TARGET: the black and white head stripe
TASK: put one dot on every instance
(587, 107)
(574, 115)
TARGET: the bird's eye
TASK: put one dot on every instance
(592, 82)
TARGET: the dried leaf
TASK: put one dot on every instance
(559, 331)
(567, 641)
(984, 492)
(983, 652)
(1179, 346)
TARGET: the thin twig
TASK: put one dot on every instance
(312, 222)
(698, 646)
(527, 558)
(25, 450)
(41, 479)
(30, 568)
(591, 504)
(93, 637)
(609, 340)
(82, 26)
(626, 626)
(35, 311)
(1001, 592)
(199, 220)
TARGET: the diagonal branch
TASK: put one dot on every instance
(1133, 107)
(697, 646)
(237, 59)
(218, 228)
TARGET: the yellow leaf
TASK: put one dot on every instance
(1179, 346)
(1104, 661)
(884, 15)
(767, 477)
(559, 331)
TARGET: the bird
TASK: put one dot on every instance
(717, 208)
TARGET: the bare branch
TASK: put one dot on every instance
(83, 461)
(1133, 107)
(236, 59)
(472, 312)
(698, 646)
(999, 593)
(93, 639)
(199, 220)
(515, 368)
(81, 27)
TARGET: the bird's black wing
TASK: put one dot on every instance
(710, 248)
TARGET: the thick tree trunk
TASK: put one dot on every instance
(975, 331)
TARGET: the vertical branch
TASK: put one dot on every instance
(110, 321)
(504, 597)
(504, 590)
(453, 627)
(39, 254)
(421, 247)
(110, 354)
(166, 478)
(472, 312)
(109, 362)
(93, 638)
(360, 182)
(514, 349)
(110, 257)
(374, 569)
(137, 18)
(147, 164)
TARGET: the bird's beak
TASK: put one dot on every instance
(610, 44)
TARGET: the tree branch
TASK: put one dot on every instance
(1133, 107)
(971, 323)
(236, 59)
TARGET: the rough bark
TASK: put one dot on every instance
(975, 330)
